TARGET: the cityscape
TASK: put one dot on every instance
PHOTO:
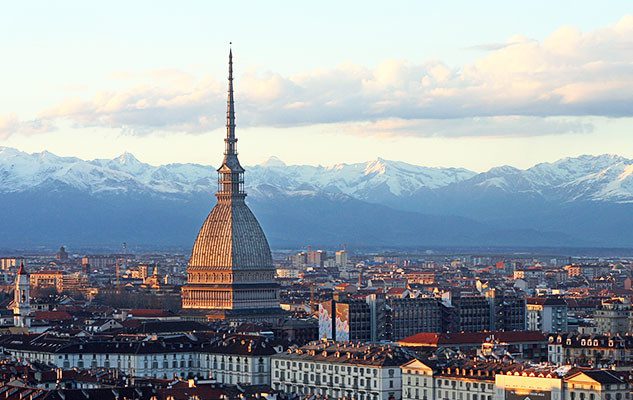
(380, 280)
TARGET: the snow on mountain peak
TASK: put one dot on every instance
(8, 151)
(46, 155)
(378, 166)
(273, 161)
(595, 178)
(127, 158)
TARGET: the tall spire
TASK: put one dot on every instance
(230, 112)
(231, 173)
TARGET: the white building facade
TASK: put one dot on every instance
(363, 372)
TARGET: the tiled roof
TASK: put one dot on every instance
(602, 376)
(52, 315)
(230, 238)
(547, 301)
(228, 344)
(467, 338)
(350, 353)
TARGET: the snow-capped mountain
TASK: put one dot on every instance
(596, 178)
(365, 181)
(586, 200)
(20, 171)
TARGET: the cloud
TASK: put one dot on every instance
(11, 124)
(520, 87)
(517, 39)
(501, 126)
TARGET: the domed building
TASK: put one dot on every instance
(231, 274)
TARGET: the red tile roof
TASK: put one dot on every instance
(471, 338)
(52, 315)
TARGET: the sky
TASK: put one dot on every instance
(459, 83)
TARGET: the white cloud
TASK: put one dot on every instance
(500, 126)
(513, 89)
(11, 124)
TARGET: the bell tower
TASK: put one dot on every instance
(22, 299)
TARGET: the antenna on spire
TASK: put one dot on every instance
(230, 110)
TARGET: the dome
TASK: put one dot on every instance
(232, 238)
(231, 271)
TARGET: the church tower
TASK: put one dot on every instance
(230, 273)
(22, 299)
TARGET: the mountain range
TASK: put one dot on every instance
(585, 201)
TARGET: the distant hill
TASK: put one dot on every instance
(583, 201)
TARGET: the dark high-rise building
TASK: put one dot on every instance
(408, 316)
(507, 310)
(465, 312)
(375, 318)
(230, 272)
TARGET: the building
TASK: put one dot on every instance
(507, 310)
(408, 316)
(481, 379)
(597, 351)
(75, 282)
(233, 359)
(533, 276)
(98, 262)
(22, 299)
(547, 314)
(337, 370)
(465, 380)
(374, 317)
(230, 273)
(344, 319)
(61, 255)
(521, 382)
(525, 345)
(422, 277)
(341, 258)
(596, 385)
(316, 258)
(299, 260)
(548, 383)
(613, 316)
(47, 280)
(7, 263)
(465, 312)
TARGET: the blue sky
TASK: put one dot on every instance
(472, 84)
